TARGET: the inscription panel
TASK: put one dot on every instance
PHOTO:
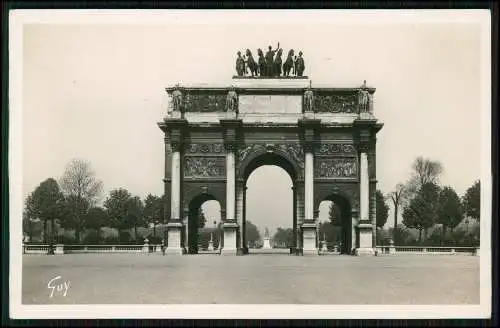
(275, 104)
(336, 168)
(204, 167)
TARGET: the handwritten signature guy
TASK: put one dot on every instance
(58, 286)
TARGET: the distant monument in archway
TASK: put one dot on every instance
(267, 244)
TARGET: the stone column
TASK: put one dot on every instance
(243, 227)
(223, 219)
(309, 226)
(365, 234)
(373, 213)
(230, 225)
(186, 230)
(239, 213)
(293, 247)
(174, 233)
(353, 243)
(300, 216)
(316, 219)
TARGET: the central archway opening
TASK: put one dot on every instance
(204, 227)
(269, 221)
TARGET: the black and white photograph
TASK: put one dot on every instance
(250, 164)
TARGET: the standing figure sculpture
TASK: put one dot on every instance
(262, 63)
(231, 100)
(240, 64)
(299, 65)
(308, 99)
(277, 63)
(363, 98)
(177, 99)
(270, 60)
(288, 65)
(245, 66)
(251, 63)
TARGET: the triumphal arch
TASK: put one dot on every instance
(324, 137)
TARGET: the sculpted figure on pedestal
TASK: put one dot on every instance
(277, 63)
(363, 98)
(251, 63)
(289, 63)
(308, 99)
(299, 65)
(270, 60)
(262, 63)
(240, 65)
(231, 100)
(177, 99)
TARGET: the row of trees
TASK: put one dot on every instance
(426, 204)
(72, 203)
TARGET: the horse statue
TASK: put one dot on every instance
(277, 63)
(252, 65)
(288, 65)
(262, 63)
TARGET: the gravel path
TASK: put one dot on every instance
(252, 279)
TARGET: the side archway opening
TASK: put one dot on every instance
(204, 224)
(335, 223)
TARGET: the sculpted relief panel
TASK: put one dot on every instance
(204, 148)
(335, 149)
(336, 103)
(293, 150)
(204, 167)
(336, 168)
(205, 102)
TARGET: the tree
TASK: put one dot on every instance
(153, 210)
(283, 237)
(135, 209)
(27, 225)
(116, 205)
(450, 212)
(252, 234)
(425, 171)
(95, 219)
(202, 220)
(74, 214)
(421, 212)
(398, 196)
(382, 209)
(45, 203)
(82, 191)
(335, 214)
(472, 201)
(330, 232)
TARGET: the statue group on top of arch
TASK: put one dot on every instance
(270, 65)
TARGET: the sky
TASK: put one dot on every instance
(93, 88)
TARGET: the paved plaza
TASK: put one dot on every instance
(252, 279)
